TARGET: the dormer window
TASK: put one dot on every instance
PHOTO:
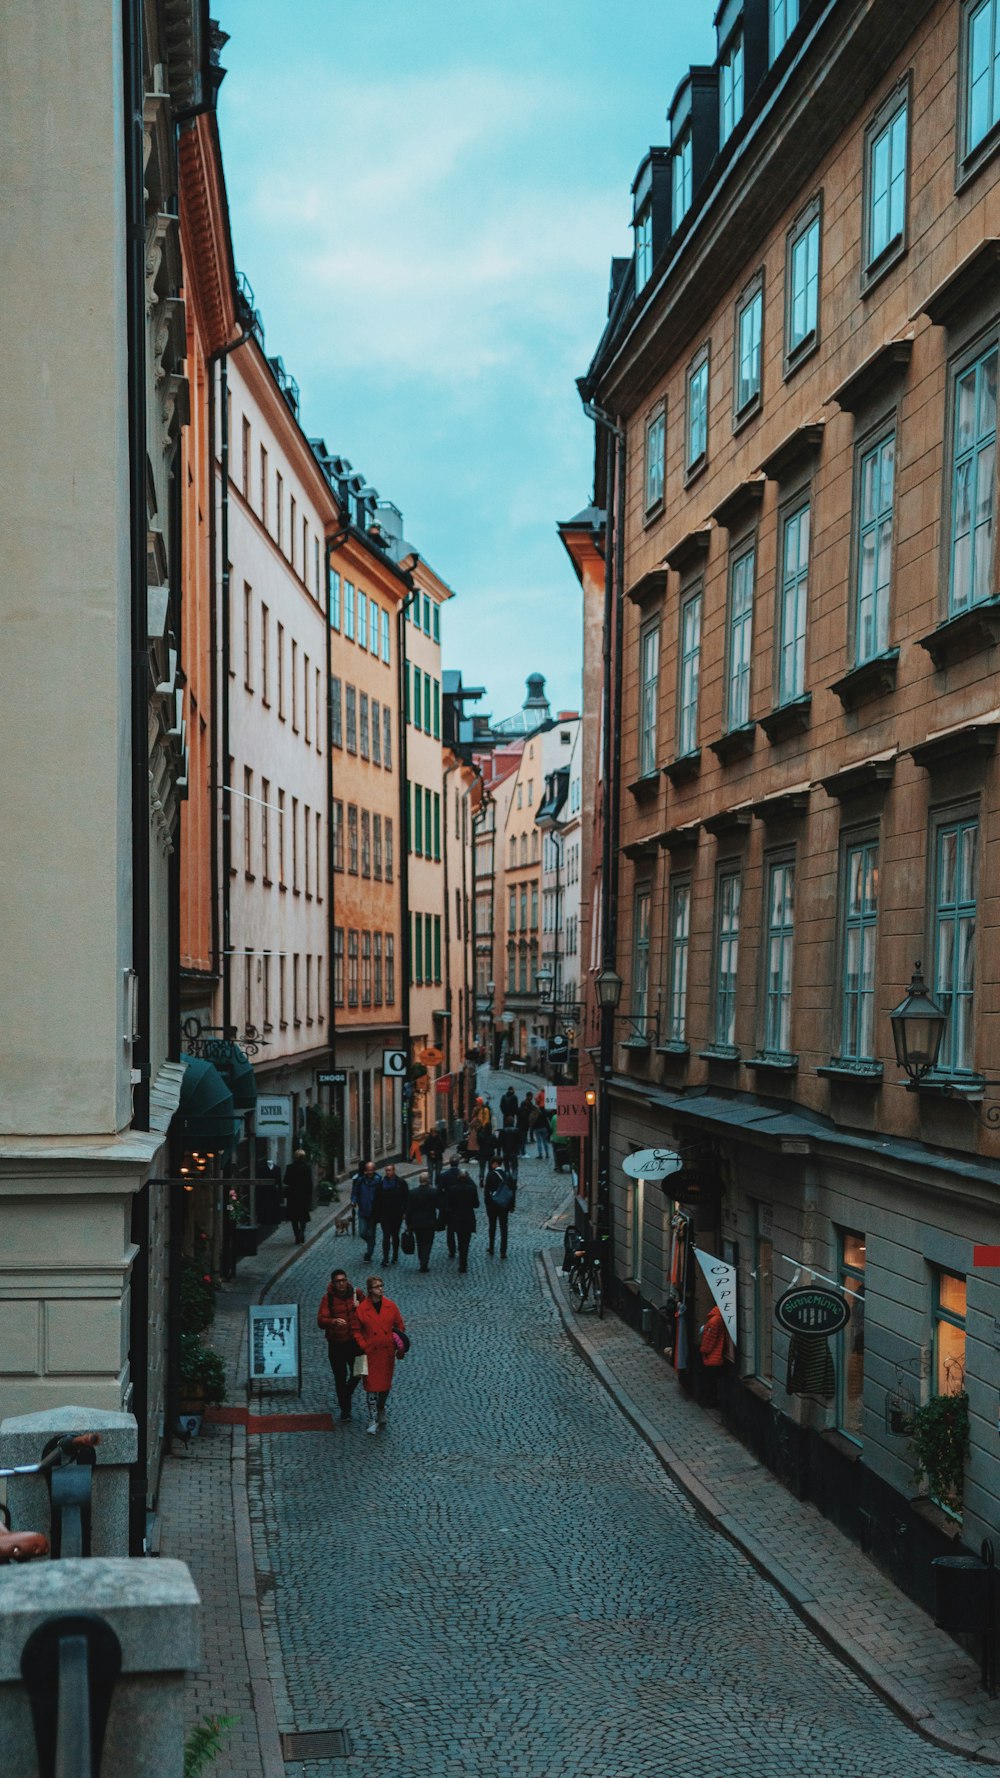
(784, 18)
(683, 177)
(643, 248)
(731, 86)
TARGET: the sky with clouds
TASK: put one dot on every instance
(426, 196)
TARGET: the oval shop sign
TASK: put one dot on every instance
(812, 1311)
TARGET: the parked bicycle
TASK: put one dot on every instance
(586, 1284)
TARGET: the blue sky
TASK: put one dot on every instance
(425, 198)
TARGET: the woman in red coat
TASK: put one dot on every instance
(377, 1321)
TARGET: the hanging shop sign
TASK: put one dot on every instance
(694, 1185)
(274, 1114)
(572, 1111)
(394, 1064)
(812, 1311)
(721, 1280)
(331, 1077)
(430, 1057)
(652, 1163)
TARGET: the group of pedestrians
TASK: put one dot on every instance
(521, 1120)
(444, 1202)
(365, 1335)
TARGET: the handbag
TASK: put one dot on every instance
(503, 1197)
(402, 1343)
(407, 1241)
(361, 1365)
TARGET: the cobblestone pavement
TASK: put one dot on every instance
(506, 1582)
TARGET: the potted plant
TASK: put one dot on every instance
(202, 1374)
(940, 1444)
(244, 1234)
(197, 1297)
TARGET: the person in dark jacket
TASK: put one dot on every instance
(422, 1208)
(508, 1104)
(390, 1209)
(364, 1186)
(461, 1201)
(432, 1148)
(525, 1111)
(337, 1317)
(486, 1151)
(509, 1147)
(499, 1197)
(298, 1193)
(540, 1127)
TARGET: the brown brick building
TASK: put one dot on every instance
(802, 361)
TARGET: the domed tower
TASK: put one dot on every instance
(536, 704)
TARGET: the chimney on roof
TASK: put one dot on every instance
(536, 699)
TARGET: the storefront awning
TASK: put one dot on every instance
(236, 1070)
(206, 1115)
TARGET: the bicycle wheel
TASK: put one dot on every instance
(577, 1287)
(597, 1292)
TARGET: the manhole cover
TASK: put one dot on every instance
(316, 1744)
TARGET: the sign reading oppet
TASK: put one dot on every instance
(812, 1311)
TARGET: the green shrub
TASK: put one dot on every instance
(940, 1444)
(202, 1371)
(197, 1298)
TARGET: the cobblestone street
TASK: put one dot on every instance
(505, 1581)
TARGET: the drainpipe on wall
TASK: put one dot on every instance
(402, 671)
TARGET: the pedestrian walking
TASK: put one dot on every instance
(508, 1146)
(389, 1211)
(423, 1208)
(381, 1334)
(461, 1201)
(508, 1105)
(364, 1186)
(525, 1111)
(485, 1152)
(500, 1197)
(298, 1193)
(539, 1128)
(337, 1316)
(432, 1148)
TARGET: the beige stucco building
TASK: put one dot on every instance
(92, 718)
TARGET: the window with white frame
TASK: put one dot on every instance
(640, 961)
(679, 942)
(802, 286)
(885, 183)
(740, 638)
(730, 87)
(860, 923)
(981, 71)
(794, 603)
(784, 18)
(779, 940)
(690, 674)
(727, 946)
(876, 487)
(656, 433)
(683, 177)
(649, 650)
(956, 858)
(748, 338)
(643, 247)
(696, 443)
(973, 493)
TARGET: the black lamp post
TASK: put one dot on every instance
(918, 1028)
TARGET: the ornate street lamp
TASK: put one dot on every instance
(918, 1027)
(609, 990)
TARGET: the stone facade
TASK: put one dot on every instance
(808, 727)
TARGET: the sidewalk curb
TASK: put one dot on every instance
(712, 1510)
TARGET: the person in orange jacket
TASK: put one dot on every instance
(337, 1317)
(712, 1352)
(377, 1322)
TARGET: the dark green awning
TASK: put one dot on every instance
(236, 1070)
(206, 1113)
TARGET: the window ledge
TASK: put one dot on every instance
(775, 1062)
(787, 719)
(685, 767)
(651, 585)
(964, 635)
(889, 362)
(637, 1043)
(842, 1444)
(675, 1048)
(876, 269)
(861, 1074)
(645, 786)
(938, 1085)
(736, 743)
(870, 679)
(721, 1052)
